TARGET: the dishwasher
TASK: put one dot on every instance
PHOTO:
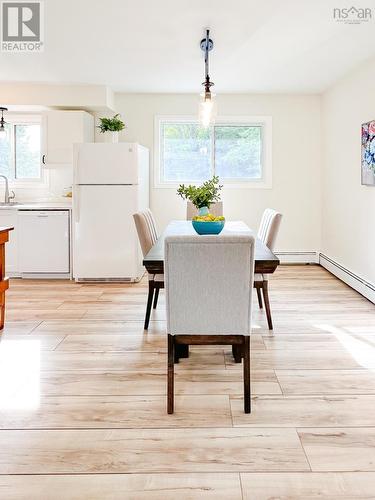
(43, 241)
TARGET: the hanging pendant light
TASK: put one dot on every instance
(2, 122)
(207, 105)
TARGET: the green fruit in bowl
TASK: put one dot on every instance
(208, 218)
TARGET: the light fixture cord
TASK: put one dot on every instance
(207, 84)
(206, 56)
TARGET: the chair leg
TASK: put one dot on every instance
(237, 354)
(170, 389)
(260, 302)
(151, 288)
(183, 351)
(267, 304)
(180, 351)
(246, 375)
(156, 297)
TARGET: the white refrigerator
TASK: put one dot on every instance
(110, 184)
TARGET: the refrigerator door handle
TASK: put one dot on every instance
(76, 203)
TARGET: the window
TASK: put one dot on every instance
(20, 151)
(237, 150)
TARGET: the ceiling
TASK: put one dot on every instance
(282, 46)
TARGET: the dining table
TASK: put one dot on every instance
(265, 261)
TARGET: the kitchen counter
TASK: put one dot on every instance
(38, 205)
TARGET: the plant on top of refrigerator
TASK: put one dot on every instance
(111, 124)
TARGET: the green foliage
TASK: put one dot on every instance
(188, 154)
(27, 146)
(186, 131)
(24, 139)
(238, 151)
(111, 124)
(201, 196)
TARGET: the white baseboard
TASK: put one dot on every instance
(359, 284)
(298, 257)
(12, 274)
(45, 276)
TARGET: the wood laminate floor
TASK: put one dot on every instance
(83, 398)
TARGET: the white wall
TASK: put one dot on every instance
(348, 209)
(296, 190)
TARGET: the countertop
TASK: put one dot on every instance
(38, 205)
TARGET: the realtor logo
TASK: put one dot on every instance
(352, 15)
(22, 26)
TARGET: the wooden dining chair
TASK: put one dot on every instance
(147, 234)
(208, 282)
(268, 230)
(215, 209)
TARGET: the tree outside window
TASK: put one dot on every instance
(189, 152)
(20, 151)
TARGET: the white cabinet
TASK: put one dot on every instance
(43, 241)
(9, 218)
(39, 243)
(62, 129)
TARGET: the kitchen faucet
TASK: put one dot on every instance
(7, 196)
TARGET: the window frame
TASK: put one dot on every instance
(24, 119)
(265, 122)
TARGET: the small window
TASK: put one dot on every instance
(235, 151)
(20, 152)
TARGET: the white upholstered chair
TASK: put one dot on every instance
(208, 282)
(215, 209)
(268, 230)
(147, 234)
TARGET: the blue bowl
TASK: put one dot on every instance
(214, 227)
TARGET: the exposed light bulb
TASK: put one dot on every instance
(207, 110)
(3, 132)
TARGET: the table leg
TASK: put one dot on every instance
(4, 283)
(181, 351)
(2, 310)
(237, 353)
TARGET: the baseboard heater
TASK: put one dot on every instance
(359, 284)
(43, 276)
(303, 257)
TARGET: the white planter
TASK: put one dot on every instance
(110, 137)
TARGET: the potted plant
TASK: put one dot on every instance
(113, 125)
(202, 197)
